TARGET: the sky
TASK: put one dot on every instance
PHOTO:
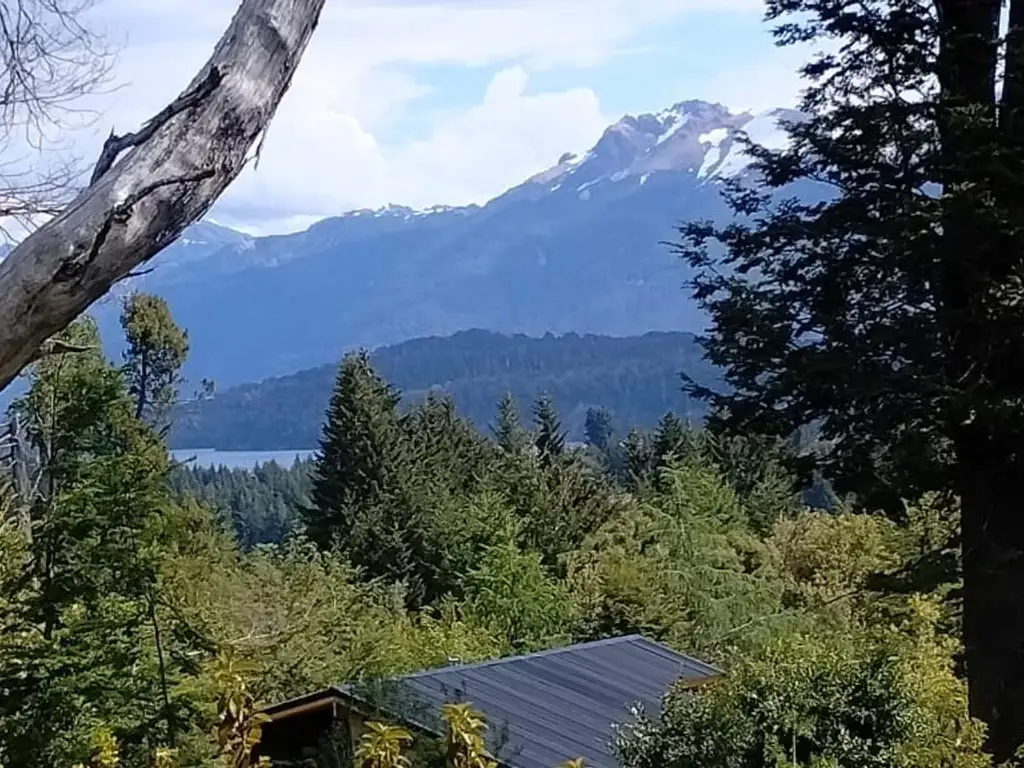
(428, 102)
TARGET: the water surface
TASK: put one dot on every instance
(209, 457)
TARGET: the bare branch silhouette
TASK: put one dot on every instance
(50, 59)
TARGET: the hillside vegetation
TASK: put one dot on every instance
(637, 379)
(413, 538)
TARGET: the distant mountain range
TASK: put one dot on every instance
(577, 247)
(637, 379)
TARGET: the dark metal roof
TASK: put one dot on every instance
(545, 708)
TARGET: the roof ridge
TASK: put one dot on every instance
(685, 656)
(524, 656)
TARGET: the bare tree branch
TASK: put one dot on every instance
(170, 177)
(115, 145)
(49, 60)
(57, 346)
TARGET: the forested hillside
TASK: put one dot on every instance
(637, 379)
(413, 538)
(149, 610)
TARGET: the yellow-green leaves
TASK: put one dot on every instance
(381, 746)
(465, 739)
(885, 698)
(239, 723)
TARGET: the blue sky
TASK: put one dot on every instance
(446, 101)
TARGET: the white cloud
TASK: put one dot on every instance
(323, 153)
(507, 137)
(467, 157)
(760, 85)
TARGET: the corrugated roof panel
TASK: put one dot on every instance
(559, 704)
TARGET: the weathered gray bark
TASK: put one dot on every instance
(176, 167)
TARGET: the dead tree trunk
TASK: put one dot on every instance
(20, 473)
(176, 167)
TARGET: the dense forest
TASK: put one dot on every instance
(637, 379)
(149, 609)
(260, 505)
(414, 537)
(146, 615)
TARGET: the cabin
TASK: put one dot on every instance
(542, 709)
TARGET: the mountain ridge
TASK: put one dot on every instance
(574, 247)
(636, 378)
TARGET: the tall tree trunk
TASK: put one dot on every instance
(177, 166)
(165, 691)
(19, 471)
(980, 253)
(992, 535)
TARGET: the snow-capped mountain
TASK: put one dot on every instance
(575, 247)
(692, 137)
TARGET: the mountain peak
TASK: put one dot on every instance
(690, 137)
(385, 275)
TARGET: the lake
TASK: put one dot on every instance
(209, 457)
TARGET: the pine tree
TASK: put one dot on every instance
(887, 308)
(508, 432)
(374, 484)
(671, 440)
(447, 452)
(639, 458)
(550, 438)
(361, 459)
(156, 350)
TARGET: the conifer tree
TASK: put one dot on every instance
(671, 440)
(508, 432)
(156, 350)
(447, 452)
(82, 610)
(362, 455)
(373, 487)
(886, 306)
(639, 457)
(598, 428)
(550, 437)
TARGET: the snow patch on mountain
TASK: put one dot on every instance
(399, 211)
(675, 119)
(713, 157)
(763, 130)
(692, 137)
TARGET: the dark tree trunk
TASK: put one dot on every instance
(992, 530)
(979, 253)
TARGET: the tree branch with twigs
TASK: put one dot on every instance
(50, 58)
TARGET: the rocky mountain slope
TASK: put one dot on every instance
(577, 247)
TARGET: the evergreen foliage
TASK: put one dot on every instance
(635, 378)
(883, 304)
(550, 439)
(261, 505)
(81, 592)
(411, 539)
(146, 611)
(508, 431)
(156, 349)
(361, 464)
(598, 429)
